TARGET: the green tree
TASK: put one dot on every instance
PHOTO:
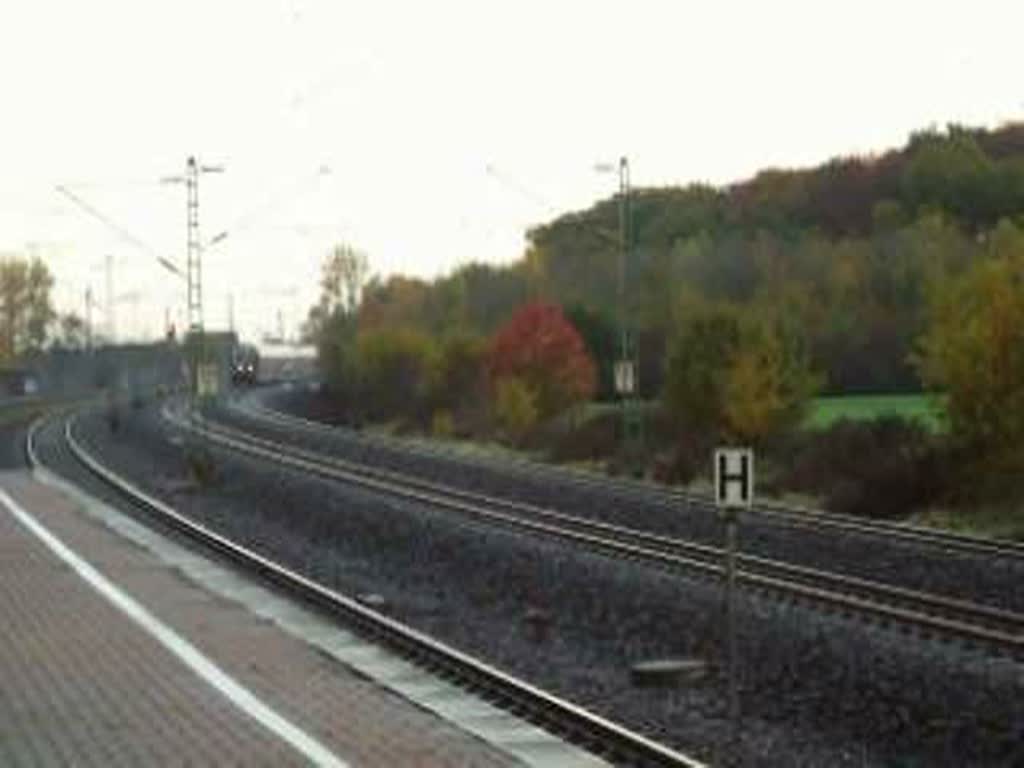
(26, 307)
(457, 378)
(697, 364)
(768, 382)
(344, 274)
(336, 355)
(394, 366)
(973, 350)
(331, 325)
(952, 172)
(598, 332)
(741, 373)
(71, 332)
(515, 406)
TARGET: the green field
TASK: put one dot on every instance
(826, 410)
(925, 408)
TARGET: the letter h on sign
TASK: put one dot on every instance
(734, 477)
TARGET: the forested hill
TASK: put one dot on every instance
(974, 175)
(849, 247)
(846, 251)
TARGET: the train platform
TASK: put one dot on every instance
(120, 647)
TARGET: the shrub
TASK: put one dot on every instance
(442, 425)
(514, 407)
(457, 376)
(973, 350)
(881, 468)
(736, 371)
(681, 464)
(543, 350)
(394, 368)
(202, 467)
(594, 439)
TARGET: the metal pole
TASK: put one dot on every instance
(631, 418)
(623, 248)
(111, 328)
(88, 319)
(730, 609)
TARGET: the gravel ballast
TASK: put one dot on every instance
(981, 578)
(817, 690)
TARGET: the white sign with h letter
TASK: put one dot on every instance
(734, 490)
(734, 477)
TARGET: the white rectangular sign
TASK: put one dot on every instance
(734, 477)
(625, 377)
(208, 380)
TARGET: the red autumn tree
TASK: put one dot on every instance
(541, 348)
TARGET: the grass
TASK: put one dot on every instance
(924, 408)
(998, 522)
(824, 411)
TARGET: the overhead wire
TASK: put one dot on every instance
(519, 187)
(253, 216)
(124, 233)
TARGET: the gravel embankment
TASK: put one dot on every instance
(986, 579)
(817, 690)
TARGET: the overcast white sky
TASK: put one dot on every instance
(409, 103)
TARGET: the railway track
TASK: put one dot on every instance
(999, 630)
(573, 723)
(785, 514)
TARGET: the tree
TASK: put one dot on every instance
(697, 363)
(396, 303)
(393, 366)
(742, 373)
(951, 171)
(768, 383)
(26, 308)
(71, 332)
(598, 332)
(343, 275)
(331, 324)
(543, 350)
(336, 355)
(515, 406)
(973, 350)
(457, 378)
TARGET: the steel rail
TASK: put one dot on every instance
(795, 515)
(565, 719)
(992, 627)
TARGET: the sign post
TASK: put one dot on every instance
(626, 387)
(734, 490)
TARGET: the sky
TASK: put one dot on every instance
(432, 134)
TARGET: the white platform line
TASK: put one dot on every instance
(238, 694)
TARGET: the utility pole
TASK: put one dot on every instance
(624, 351)
(109, 309)
(88, 319)
(131, 298)
(627, 368)
(193, 262)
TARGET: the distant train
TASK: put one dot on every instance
(245, 365)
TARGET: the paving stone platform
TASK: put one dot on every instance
(218, 669)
